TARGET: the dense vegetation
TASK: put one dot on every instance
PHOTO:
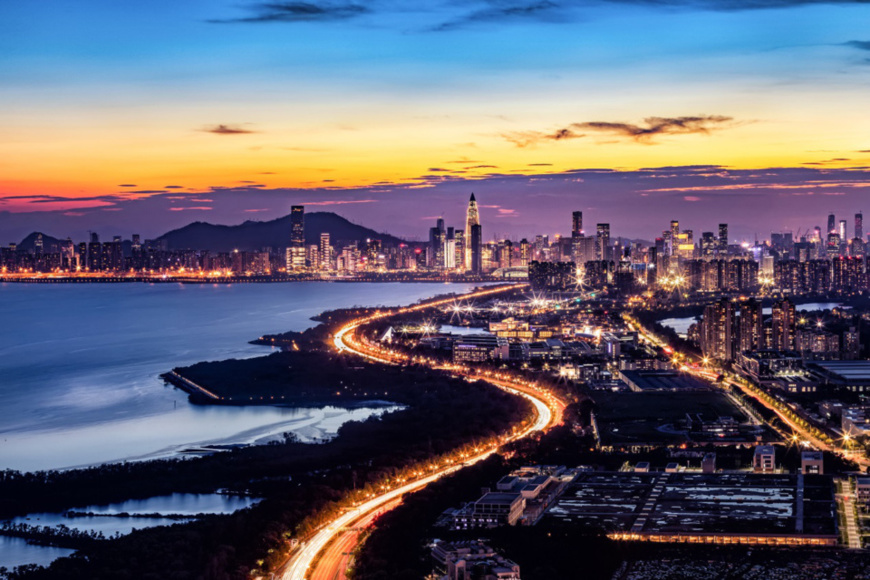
(298, 480)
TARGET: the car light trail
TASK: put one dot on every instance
(548, 411)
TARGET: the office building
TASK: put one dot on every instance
(602, 245)
(472, 219)
(296, 250)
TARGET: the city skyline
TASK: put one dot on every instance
(231, 110)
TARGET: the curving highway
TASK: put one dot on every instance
(326, 554)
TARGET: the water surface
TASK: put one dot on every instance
(80, 364)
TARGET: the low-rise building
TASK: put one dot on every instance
(464, 560)
(708, 464)
(764, 459)
(855, 422)
(812, 462)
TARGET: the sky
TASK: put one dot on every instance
(124, 117)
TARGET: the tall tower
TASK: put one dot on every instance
(723, 238)
(296, 251)
(842, 231)
(832, 224)
(577, 224)
(472, 218)
(675, 234)
(859, 226)
(602, 241)
(325, 252)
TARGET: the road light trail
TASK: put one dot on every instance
(548, 410)
(757, 393)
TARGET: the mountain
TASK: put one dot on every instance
(29, 243)
(253, 235)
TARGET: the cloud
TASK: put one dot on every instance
(227, 130)
(498, 11)
(338, 202)
(264, 12)
(860, 44)
(642, 132)
(196, 208)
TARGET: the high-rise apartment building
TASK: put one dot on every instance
(717, 330)
(783, 325)
(750, 334)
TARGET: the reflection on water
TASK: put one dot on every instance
(17, 552)
(105, 518)
(81, 362)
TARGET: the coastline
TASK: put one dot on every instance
(376, 278)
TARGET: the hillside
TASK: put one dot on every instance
(253, 235)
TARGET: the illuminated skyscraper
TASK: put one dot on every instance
(832, 224)
(675, 233)
(602, 241)
(783, 325)
(750, 326)
(325, 252)
(717, 330)
(472, 218)
(475, 247)
(723, 238)
(859, 226)
(842, 231)
(577, 224)
(296, 250)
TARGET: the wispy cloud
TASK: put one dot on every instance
(860, 44)
(644, 132)
(264, 12)
(499, 11)
(339, 202)
(227, 130)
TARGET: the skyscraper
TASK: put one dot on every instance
(717, 330)
(602, 241)
(832, 224)
(842, 231)
(750, 326)
(859, 226)
(325, 254)
(472, 218)
(577, 224)
(296, 251)
(475, 249)
(723, 238)
(783, 325)
(675, 233)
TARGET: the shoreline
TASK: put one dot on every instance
(252, 280)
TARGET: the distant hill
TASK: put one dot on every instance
(29, 243)
(253, 235)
